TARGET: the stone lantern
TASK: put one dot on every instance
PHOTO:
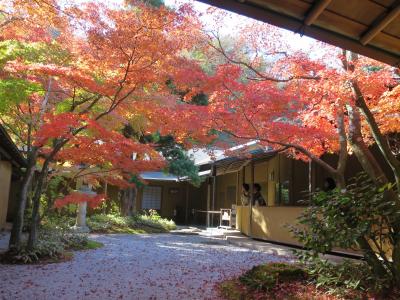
(80, 224)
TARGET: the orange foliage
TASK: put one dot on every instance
(77, 197)
(114, 67)
(266, 90)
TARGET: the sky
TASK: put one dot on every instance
(232, 20)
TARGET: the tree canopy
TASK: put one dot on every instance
(106, 93)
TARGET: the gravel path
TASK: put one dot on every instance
(164, 266)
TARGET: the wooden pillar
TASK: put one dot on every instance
(311, 178)
(280, 180)
(243, 181)
(251, 196)
(310, 185)
(187, 204)
(214, 192)
(237, 187)
(208, 201)
(291, 182)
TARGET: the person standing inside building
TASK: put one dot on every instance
(245, 197)
(258, 199)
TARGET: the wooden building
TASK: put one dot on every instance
(172, 197)
(11, 162)
(368, 27)
(285, 184)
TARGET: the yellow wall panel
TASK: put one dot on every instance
(269, 223)
(243, 219)
(5, 182)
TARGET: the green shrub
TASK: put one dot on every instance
(343, 277)
(74, 241)
(57, 222)
(140, 223)
(59, 229)
(153, 219)
(102, 223)
(356, 219)
(265, 277)
(49, 246)
(53, 245)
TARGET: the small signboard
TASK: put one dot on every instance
(225, 218)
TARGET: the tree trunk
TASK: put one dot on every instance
(133, 192)
(108, 206)
(343, 154)
(128, 202)
(36, 206)
(18, 222)
(372, 259)
(124, 204)
(382, 143)
(396, 258)
(340, 181)
(361, 151)
(373, 169)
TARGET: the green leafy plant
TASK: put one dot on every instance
(54, 244)
(342, 278)
(50, 246)
(360, 218)
(144, 222)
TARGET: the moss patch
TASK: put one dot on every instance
(91, 244)
(265, 277)
(265, 282)
(234, 290)
(88, 245)
(285, 281)
(295, 290)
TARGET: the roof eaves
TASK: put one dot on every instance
(10, 150)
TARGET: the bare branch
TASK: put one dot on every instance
(261, 76)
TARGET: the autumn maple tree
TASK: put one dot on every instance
(74, 77)
(306, 104)
(74, 80)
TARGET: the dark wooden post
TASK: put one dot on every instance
(251, 196)
(208, 201)
(214, 191)
(187, 204)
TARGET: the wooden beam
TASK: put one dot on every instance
(373, 31)
(251, 197)
(315, 11)
(228, 167)
(290, 23)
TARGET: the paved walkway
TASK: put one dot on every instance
(165, 266)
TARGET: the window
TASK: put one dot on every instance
(231, 194)
(151, 197)
(282, 193)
